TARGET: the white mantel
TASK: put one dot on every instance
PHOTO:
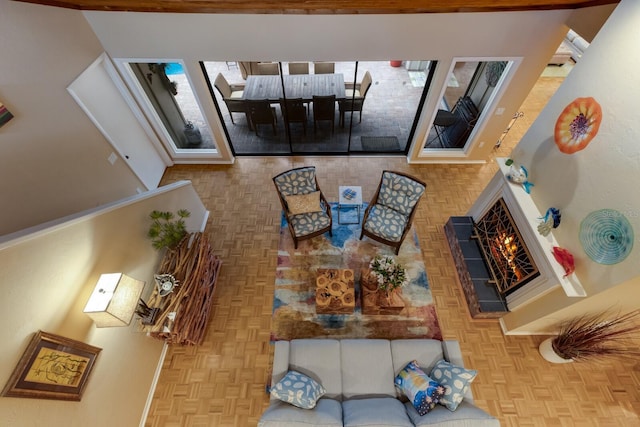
(527, 217)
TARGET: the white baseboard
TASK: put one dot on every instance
(154, 383)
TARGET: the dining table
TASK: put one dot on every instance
(305, 86)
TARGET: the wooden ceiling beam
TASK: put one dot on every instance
(320, 7)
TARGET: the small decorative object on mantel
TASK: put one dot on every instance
(165, 283)
(565, 259)
(593, 337)
(550, 220)
(518, 174)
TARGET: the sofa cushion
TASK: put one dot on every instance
(367, 369)
(456, 381)
(320, 360)
(425, 351)
(423, 392)
(327, 413)
(375, 412)
(298, 389)
(467, 415)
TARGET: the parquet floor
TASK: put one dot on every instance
(222, 382)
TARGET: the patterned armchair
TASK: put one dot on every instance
(388, 217)
(307, 211)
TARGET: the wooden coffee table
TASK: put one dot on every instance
(373, 301)
(335, 293)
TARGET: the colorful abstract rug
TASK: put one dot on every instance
(294, 311)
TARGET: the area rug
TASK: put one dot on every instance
(294, 310)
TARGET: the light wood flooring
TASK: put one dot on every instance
(222, 382)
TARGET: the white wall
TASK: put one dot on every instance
(46, 277)
(443, 37)
(53, 160)
(606, 174)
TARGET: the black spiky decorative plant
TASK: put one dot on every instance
(166, 231)
(595, 336)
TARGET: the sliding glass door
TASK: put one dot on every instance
(374, 108)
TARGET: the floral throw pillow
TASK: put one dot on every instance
(304, 203)
(423, 392)
(455, 380)
(299, 390)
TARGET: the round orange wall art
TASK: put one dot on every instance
(577, 125)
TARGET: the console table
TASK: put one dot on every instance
(184, 313)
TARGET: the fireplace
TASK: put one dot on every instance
(504, 250)
(501, 260)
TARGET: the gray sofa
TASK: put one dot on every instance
(358, 375)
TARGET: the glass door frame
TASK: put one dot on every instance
(489, 110)
(178, 155)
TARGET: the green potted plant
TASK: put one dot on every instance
(593, 336)
(166, 231)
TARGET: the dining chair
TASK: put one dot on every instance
(298, 68)
(389, 215)
(355, 96)
(294, 111)
(324, 109)
(268, 68)
(306, 210)
(231, 95)
(324, 67)
(260, 112)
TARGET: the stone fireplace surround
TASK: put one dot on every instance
(526, 215)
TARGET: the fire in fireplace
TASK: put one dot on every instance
(503, 249)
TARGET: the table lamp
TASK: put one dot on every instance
(114, 300)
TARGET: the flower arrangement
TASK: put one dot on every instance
(389, 274)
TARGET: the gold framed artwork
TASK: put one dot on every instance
(52, 367)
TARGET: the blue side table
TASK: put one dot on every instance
(350, 197)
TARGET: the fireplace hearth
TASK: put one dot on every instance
(481, 295)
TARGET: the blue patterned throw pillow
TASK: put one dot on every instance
(299, 390)
(423, 392)
(455, 380)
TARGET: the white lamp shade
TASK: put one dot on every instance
(114, 300)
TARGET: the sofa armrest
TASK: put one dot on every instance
(280, 361)
(452, 352)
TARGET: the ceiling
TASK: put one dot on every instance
(320, 6)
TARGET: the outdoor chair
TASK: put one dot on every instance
(355, 96)
(294, 111)
(324, 67)
(261, 113)
(298, 68)
(324, 109)
(267, 68)
(307, 211)
(231, 95)
(390, 213)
